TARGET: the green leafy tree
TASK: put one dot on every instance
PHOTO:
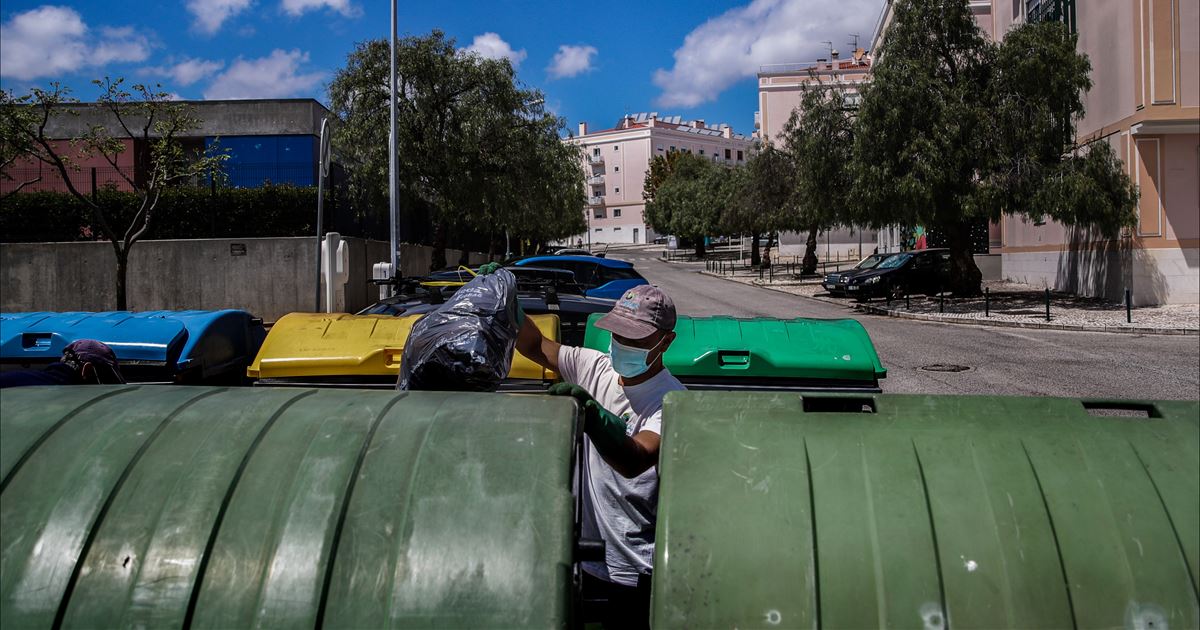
(476, 154)
(954, 129)
(819, 137)
(146, 119)
(760, 198)
(687, 201)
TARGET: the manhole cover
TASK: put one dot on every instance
(944, 367)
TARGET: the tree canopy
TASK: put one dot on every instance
(955, 129)
(476, 153)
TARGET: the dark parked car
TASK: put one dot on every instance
(922, 271)
(600, 277)
(835, 283)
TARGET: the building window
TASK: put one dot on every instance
(618, 191)
(739, 156)
(596, 151)
(597, 229)
(701, 150)
(598, 215)
(616, 212)
(672, 146)
(727, 151)
(616, 168)
(659, 147)
(616, 147)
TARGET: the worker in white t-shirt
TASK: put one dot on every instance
(621, 393)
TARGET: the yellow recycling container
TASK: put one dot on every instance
(306, 346)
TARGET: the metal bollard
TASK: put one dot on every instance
(771, 273)
(760, 272)
(1047, 303)
(907, 305)
(1128, 306)
(941, 301)
(987, 302)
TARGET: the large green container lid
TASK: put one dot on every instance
(782, 511)
(729, 351)
(168, 507)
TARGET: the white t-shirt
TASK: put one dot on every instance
(620, 511)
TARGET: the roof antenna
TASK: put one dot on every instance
(854, 44)
(830, 46)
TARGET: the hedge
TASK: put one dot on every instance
(192, 212)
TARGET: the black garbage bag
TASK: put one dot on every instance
(467, 343)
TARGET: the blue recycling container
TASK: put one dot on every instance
(175, 346)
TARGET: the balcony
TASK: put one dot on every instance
(595, 201)
(595, 159)
(596, 180)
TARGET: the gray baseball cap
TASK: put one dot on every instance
(639, 313)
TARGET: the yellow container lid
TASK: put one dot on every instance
(302, 345)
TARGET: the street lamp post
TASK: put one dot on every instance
(393, 202)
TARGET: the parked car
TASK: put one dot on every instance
(600, 277)
(835, 283)
(539, 290)
(923, 271)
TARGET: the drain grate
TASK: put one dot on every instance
(945, 367)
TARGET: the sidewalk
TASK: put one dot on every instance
(1011, 305)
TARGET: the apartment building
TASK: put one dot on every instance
(1145, 102)
(616, 161)
(782, 85)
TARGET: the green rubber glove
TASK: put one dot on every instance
(606, 430)
(489, 268)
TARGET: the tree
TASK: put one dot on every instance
(15, 144)
(476, 154)
(820, 139)
(760, 200)
(954, 129)
(688, 197)
(146, 121)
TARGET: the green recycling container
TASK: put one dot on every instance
(164, 506)
(762, 352)
(778, 510)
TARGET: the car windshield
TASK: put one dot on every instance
(871, 261)
(894, 261)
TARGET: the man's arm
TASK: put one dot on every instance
(628, 455)
(536, 347)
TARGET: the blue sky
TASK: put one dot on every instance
(595, 60)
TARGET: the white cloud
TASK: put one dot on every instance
(185, 72)
(211, 14)
(492, 46)
(275, 76)
(733, 45)
(571, 61)
(299, 7)
(50, 41)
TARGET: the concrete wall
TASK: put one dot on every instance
(218, 118)
(1155, 276)
(274, 276)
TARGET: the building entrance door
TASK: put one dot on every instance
(635, 235)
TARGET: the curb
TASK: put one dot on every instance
(998, 323)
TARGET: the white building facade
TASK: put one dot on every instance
(616, 161)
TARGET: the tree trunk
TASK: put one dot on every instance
(755, 254)
(965, 278)
(809, 266)
(122, 276)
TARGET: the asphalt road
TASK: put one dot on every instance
(1001, 360)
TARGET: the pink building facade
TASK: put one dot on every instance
(616, 161)
(781, 86)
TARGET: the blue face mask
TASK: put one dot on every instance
(629, 361)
